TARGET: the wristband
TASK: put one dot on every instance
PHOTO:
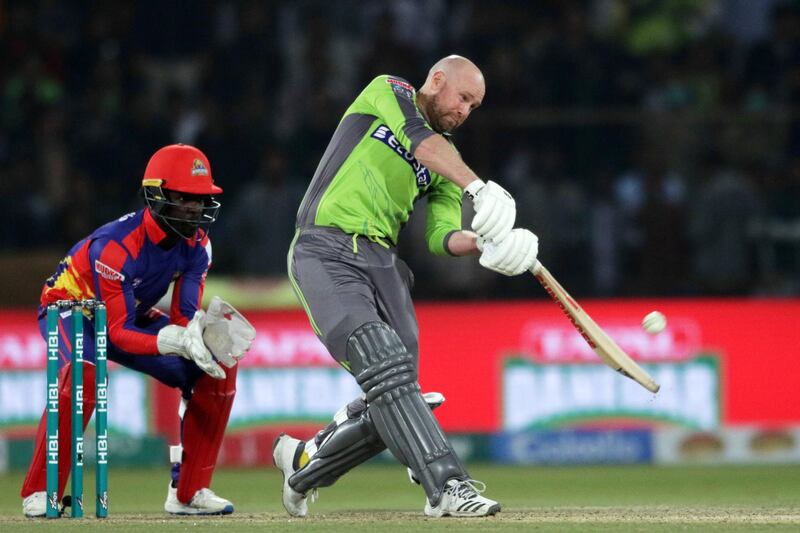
(472, 189)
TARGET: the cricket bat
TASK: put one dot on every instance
(600, 342)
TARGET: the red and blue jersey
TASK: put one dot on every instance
(122, 264)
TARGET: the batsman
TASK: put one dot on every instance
(130, 264)
(391, 148)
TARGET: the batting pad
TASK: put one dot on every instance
(349, 444)
(387, 374)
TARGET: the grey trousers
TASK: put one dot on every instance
(344, 282)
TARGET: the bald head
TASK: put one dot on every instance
(453, 88)
(458, 68)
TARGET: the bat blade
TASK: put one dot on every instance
(603, 345)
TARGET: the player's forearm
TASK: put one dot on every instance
(135, 342)
(463, 243)
(439, 156)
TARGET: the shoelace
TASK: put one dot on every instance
(467, 489)
(313, 495)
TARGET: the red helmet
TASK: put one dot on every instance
(182, 168)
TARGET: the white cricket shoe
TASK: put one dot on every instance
(204, 502)
(35, 505)
(463, 498)
(283, 452)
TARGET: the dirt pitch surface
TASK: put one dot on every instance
(378, 498)
(553, 519)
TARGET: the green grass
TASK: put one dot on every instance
(665, 499)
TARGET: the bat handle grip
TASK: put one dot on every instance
(537, 266)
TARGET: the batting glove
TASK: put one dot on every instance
(495, 210)
(513, 255)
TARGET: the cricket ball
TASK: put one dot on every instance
(654, 322)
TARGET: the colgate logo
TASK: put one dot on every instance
(559, 342)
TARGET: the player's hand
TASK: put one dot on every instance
(227, 334)
(188, 343)
(495, 210)
(513, 255)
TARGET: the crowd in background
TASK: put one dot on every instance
(654, 147)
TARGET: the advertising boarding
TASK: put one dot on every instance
(520, 374)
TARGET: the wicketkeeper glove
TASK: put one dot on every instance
(227, 334)
(187, 342)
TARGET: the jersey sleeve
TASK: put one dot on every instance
(112, 268)
(187, 294)
(393, 101)
(444, 216)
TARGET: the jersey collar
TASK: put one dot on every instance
(151, 227)
(155, 234)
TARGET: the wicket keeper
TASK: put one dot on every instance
(129, 264)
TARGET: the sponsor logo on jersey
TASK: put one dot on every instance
(107, 272)
(198, 168)
(385, 135)
(401, 88)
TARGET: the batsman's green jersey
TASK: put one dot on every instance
(368, 179)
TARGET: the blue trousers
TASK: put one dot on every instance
(173, 371)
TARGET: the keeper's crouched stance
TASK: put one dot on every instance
(130, 263)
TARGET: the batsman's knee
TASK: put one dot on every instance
(380, 361)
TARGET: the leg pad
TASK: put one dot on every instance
(388, 376)
(344, 446)
(204, 424)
